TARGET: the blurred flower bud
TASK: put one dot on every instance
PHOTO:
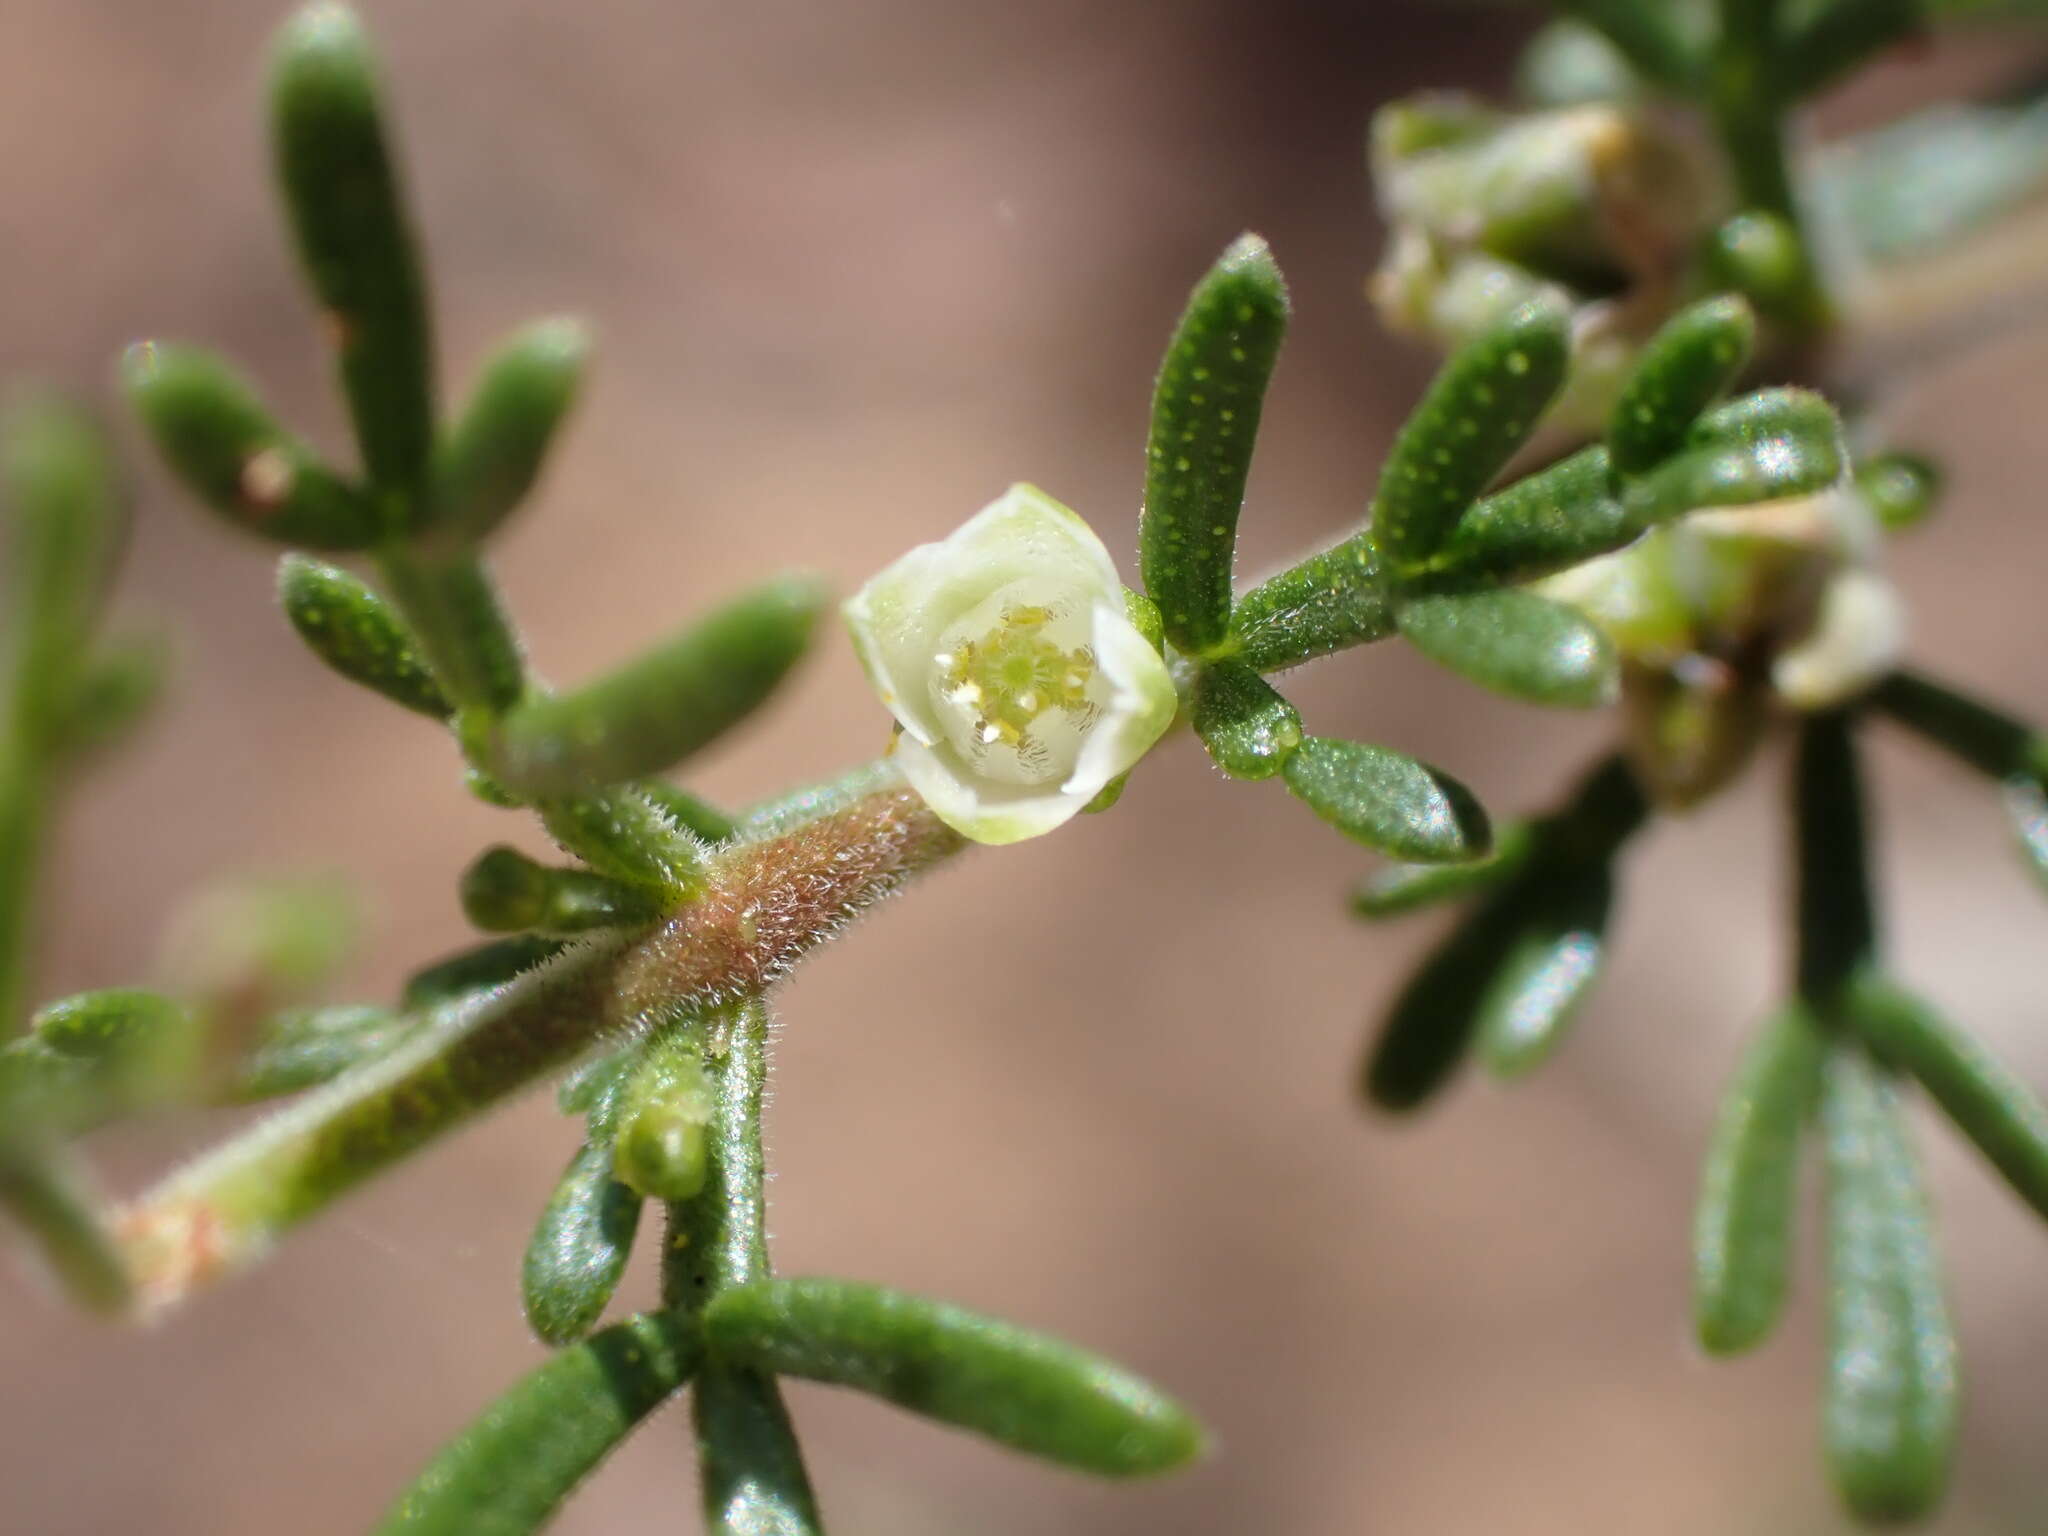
(1730, 613)
(1597, 206)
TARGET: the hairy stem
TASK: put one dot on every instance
(792, 880)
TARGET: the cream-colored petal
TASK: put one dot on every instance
(1025, 526)
(977, 809)
(1858, 635)
(1140, 708)
(897, 618)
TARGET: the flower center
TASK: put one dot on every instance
(1015, 693)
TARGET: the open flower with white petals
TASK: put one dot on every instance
(1008, 657)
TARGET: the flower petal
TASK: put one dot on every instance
(897, 617)
(1140, 708)
(977, 808)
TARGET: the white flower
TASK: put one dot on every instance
(1006, 654)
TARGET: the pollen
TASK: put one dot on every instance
(1013, 674)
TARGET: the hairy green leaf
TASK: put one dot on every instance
(621, 833)
(1249, 729)
(1543, 523)
(503, 891)
(1327, 603)
(1515, 643)
(579, 1248)
(1388, 801)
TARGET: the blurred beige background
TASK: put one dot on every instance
(855, 268)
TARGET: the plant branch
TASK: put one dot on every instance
(793, 878)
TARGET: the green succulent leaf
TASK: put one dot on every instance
(623, 834)
(1543, 523)
(451, 607)
(1032, 1393)
(1516, 966)
(656, 711)
(348, 217)
(2001, 1114)
(504, 891)
(1205, 416)
(1760, 256)
(1249, 729)
(217, 437)
(1388, 801)
(1890, 1409)
(354, 631)
(1683, 370)
(477, 969)
(508, 1473)
(493, 456)
(1480, 410)
(304, 1047)
(1748, 463)
(1425, 1035)
(579, 1248)
(1743, 1229)
(1329, 602)
(1517, 644)
(1546, 973)
(1398, 889)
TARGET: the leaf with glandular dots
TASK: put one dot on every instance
(1205, 417)
(1482, 407)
